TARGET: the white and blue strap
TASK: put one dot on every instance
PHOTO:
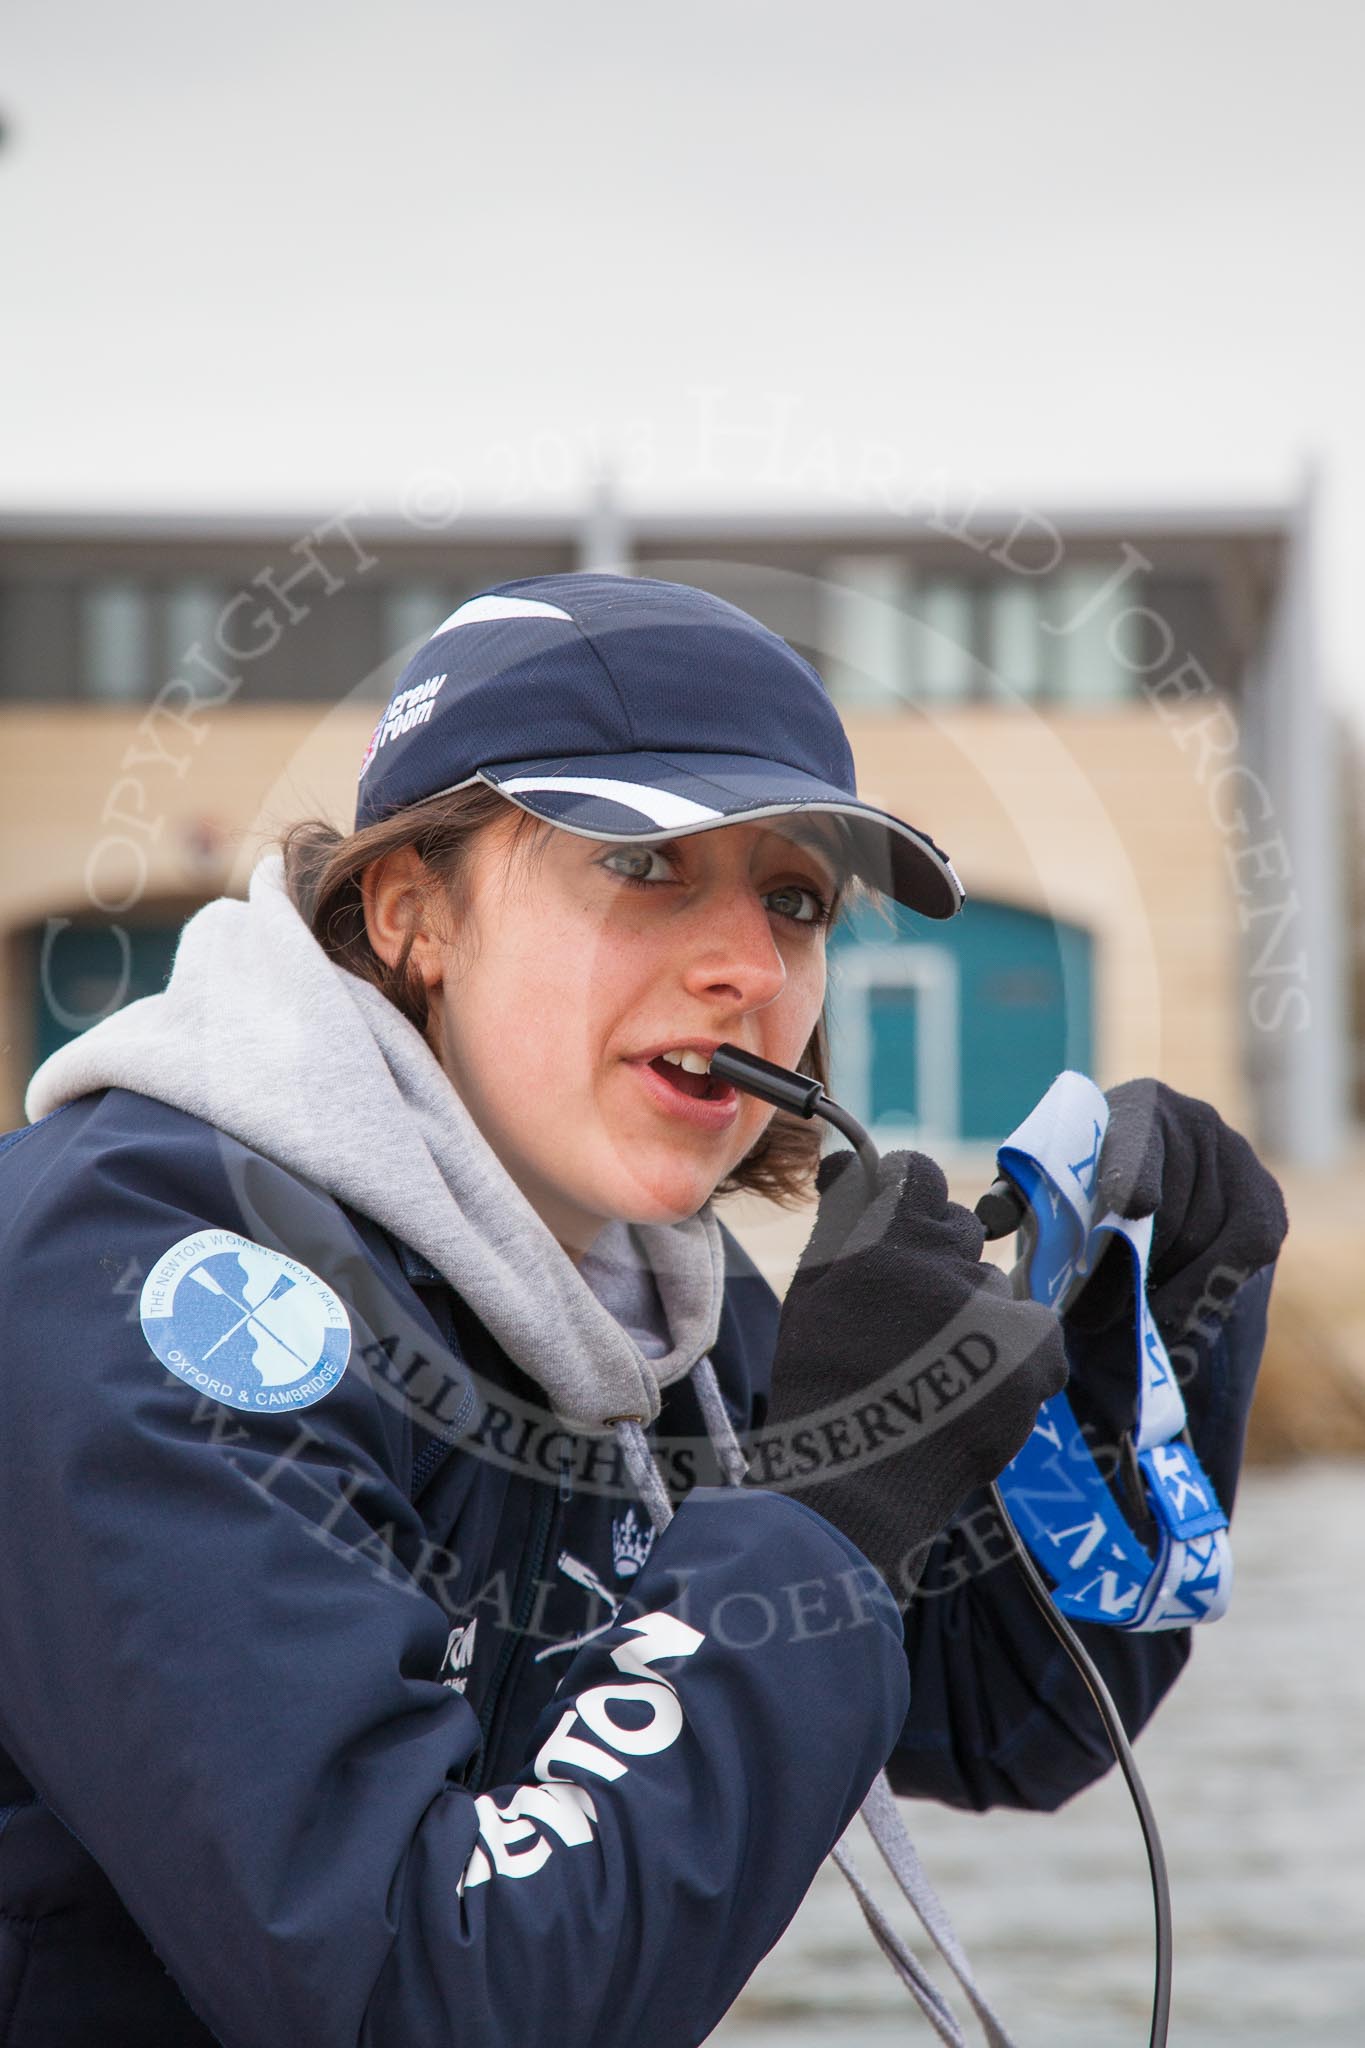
(1058, 1498)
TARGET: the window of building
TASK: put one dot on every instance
(190, 615)
(115, 641)
(943, 641)
(1091, 659)
(1014, 642)
(863, 630)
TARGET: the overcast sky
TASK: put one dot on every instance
(1048, 250)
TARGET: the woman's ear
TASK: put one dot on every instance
(397, 890)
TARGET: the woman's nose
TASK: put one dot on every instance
(736, 957)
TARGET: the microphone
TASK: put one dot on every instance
(1002, 1207)
(797, 1093)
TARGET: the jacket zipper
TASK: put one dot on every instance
(547, 1514)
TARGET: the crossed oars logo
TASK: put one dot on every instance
(249, 1312)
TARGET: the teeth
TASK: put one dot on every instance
(690, 1062)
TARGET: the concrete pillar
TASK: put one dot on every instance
(1297, 1030)
(603, 536)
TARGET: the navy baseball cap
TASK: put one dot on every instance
(624, 708)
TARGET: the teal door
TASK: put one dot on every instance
(893, 1022)
(954, 1030)
(85, 969)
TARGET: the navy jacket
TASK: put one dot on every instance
(298, 1739)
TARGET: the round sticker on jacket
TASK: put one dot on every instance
(249, 1327)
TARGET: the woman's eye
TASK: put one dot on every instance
(803, 906)
(641, 856)
(632, 864)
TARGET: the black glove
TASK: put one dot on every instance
(1214, 1205)
(906, 1373)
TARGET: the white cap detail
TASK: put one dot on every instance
(478, 611)
(659, 805)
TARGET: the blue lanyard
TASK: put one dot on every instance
(1057, 1496)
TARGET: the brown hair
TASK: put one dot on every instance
(322, 871)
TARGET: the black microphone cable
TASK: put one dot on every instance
(1001, 1209)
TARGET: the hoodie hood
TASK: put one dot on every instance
(261, 1035)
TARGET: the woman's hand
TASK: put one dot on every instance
(906, 1374)
(1218, 1214)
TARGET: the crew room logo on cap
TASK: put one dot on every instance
(409, 708)
(245, 1325)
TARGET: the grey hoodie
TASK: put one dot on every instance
(262, 1036)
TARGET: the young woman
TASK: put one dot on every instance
(363, 1292)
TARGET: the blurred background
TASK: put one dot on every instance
(1006, 361)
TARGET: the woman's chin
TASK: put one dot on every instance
(670, 1196)
(661, 1213)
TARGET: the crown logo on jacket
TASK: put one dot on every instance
(631, 1542)
(459, 1655)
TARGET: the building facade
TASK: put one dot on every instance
(1112, 723)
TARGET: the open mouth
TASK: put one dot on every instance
(700, 1086)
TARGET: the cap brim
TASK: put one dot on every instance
(661, 796)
